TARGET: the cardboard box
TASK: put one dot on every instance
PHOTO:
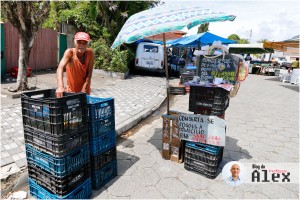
(172, 145)
(166, 138)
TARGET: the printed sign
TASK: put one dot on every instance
(202, 128)
(210, 68)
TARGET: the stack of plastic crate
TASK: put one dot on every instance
(102, 136)
(57, 145)
(204, 158)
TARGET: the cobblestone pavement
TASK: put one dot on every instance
(135, 98)
(262, 126)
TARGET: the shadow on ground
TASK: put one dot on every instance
(232, 153)
(156, 139)
(125, 161)
(277, 78)
(291, 87)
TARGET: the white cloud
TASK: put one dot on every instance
(272, 20)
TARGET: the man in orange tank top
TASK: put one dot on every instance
(78, 62)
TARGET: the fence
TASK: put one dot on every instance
(45, 53)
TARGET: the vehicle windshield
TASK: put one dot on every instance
(282, 59)
(150, 48)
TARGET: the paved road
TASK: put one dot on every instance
(262, 123)
(135, 98)
(262, 126)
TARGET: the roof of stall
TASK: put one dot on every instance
(249, 48)
(199, 39)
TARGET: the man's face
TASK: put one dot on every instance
(81, 46)
(235, 170)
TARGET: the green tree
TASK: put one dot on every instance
(107, 59)
(262, 40)
(98, 15)
(237, 38)
(26, 17)
(102, 20)
(203, 28)
(234, 37)
(243, 41)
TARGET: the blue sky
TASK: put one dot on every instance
(272, 20)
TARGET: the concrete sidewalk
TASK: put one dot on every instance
(135, 98)
(262, 127)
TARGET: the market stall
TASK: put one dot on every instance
(161, 20)
(256, 66)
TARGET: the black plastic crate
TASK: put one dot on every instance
(41, 110)
(188, 71)
(201, 171)
(59, 185)
(206, 150)
(210, 100)
(203, 158)
(177, 90)
(186, 77)
(195, 157)
(209, 111)
(104, 175)
(100, 160)
(55, 145)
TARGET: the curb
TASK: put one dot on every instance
(131, 122)
(13, 95)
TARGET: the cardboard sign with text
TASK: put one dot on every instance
(202, 128)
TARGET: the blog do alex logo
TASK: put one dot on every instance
(262, 174)
(274, 173)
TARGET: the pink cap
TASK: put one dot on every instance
(82, 36)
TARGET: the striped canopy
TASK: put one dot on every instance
(163, 19)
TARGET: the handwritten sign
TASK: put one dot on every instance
(202, 128)
(210, 68)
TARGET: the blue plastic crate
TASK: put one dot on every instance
(100, 108)
(102, 143)
(101, 126)
(104, 175)
(83, 191)
(210, 149)
(58, 166)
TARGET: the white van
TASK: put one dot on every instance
(150, 56)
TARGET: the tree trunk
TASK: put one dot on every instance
(24, 52)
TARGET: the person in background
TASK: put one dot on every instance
(248, 57)
(274, 62)
(78, 62)
(294, 65)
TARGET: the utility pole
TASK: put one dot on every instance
(250, 36)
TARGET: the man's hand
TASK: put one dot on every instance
(60, 92)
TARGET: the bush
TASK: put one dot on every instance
(108, 59)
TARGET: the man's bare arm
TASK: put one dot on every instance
(60, 72)
(89, 73)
